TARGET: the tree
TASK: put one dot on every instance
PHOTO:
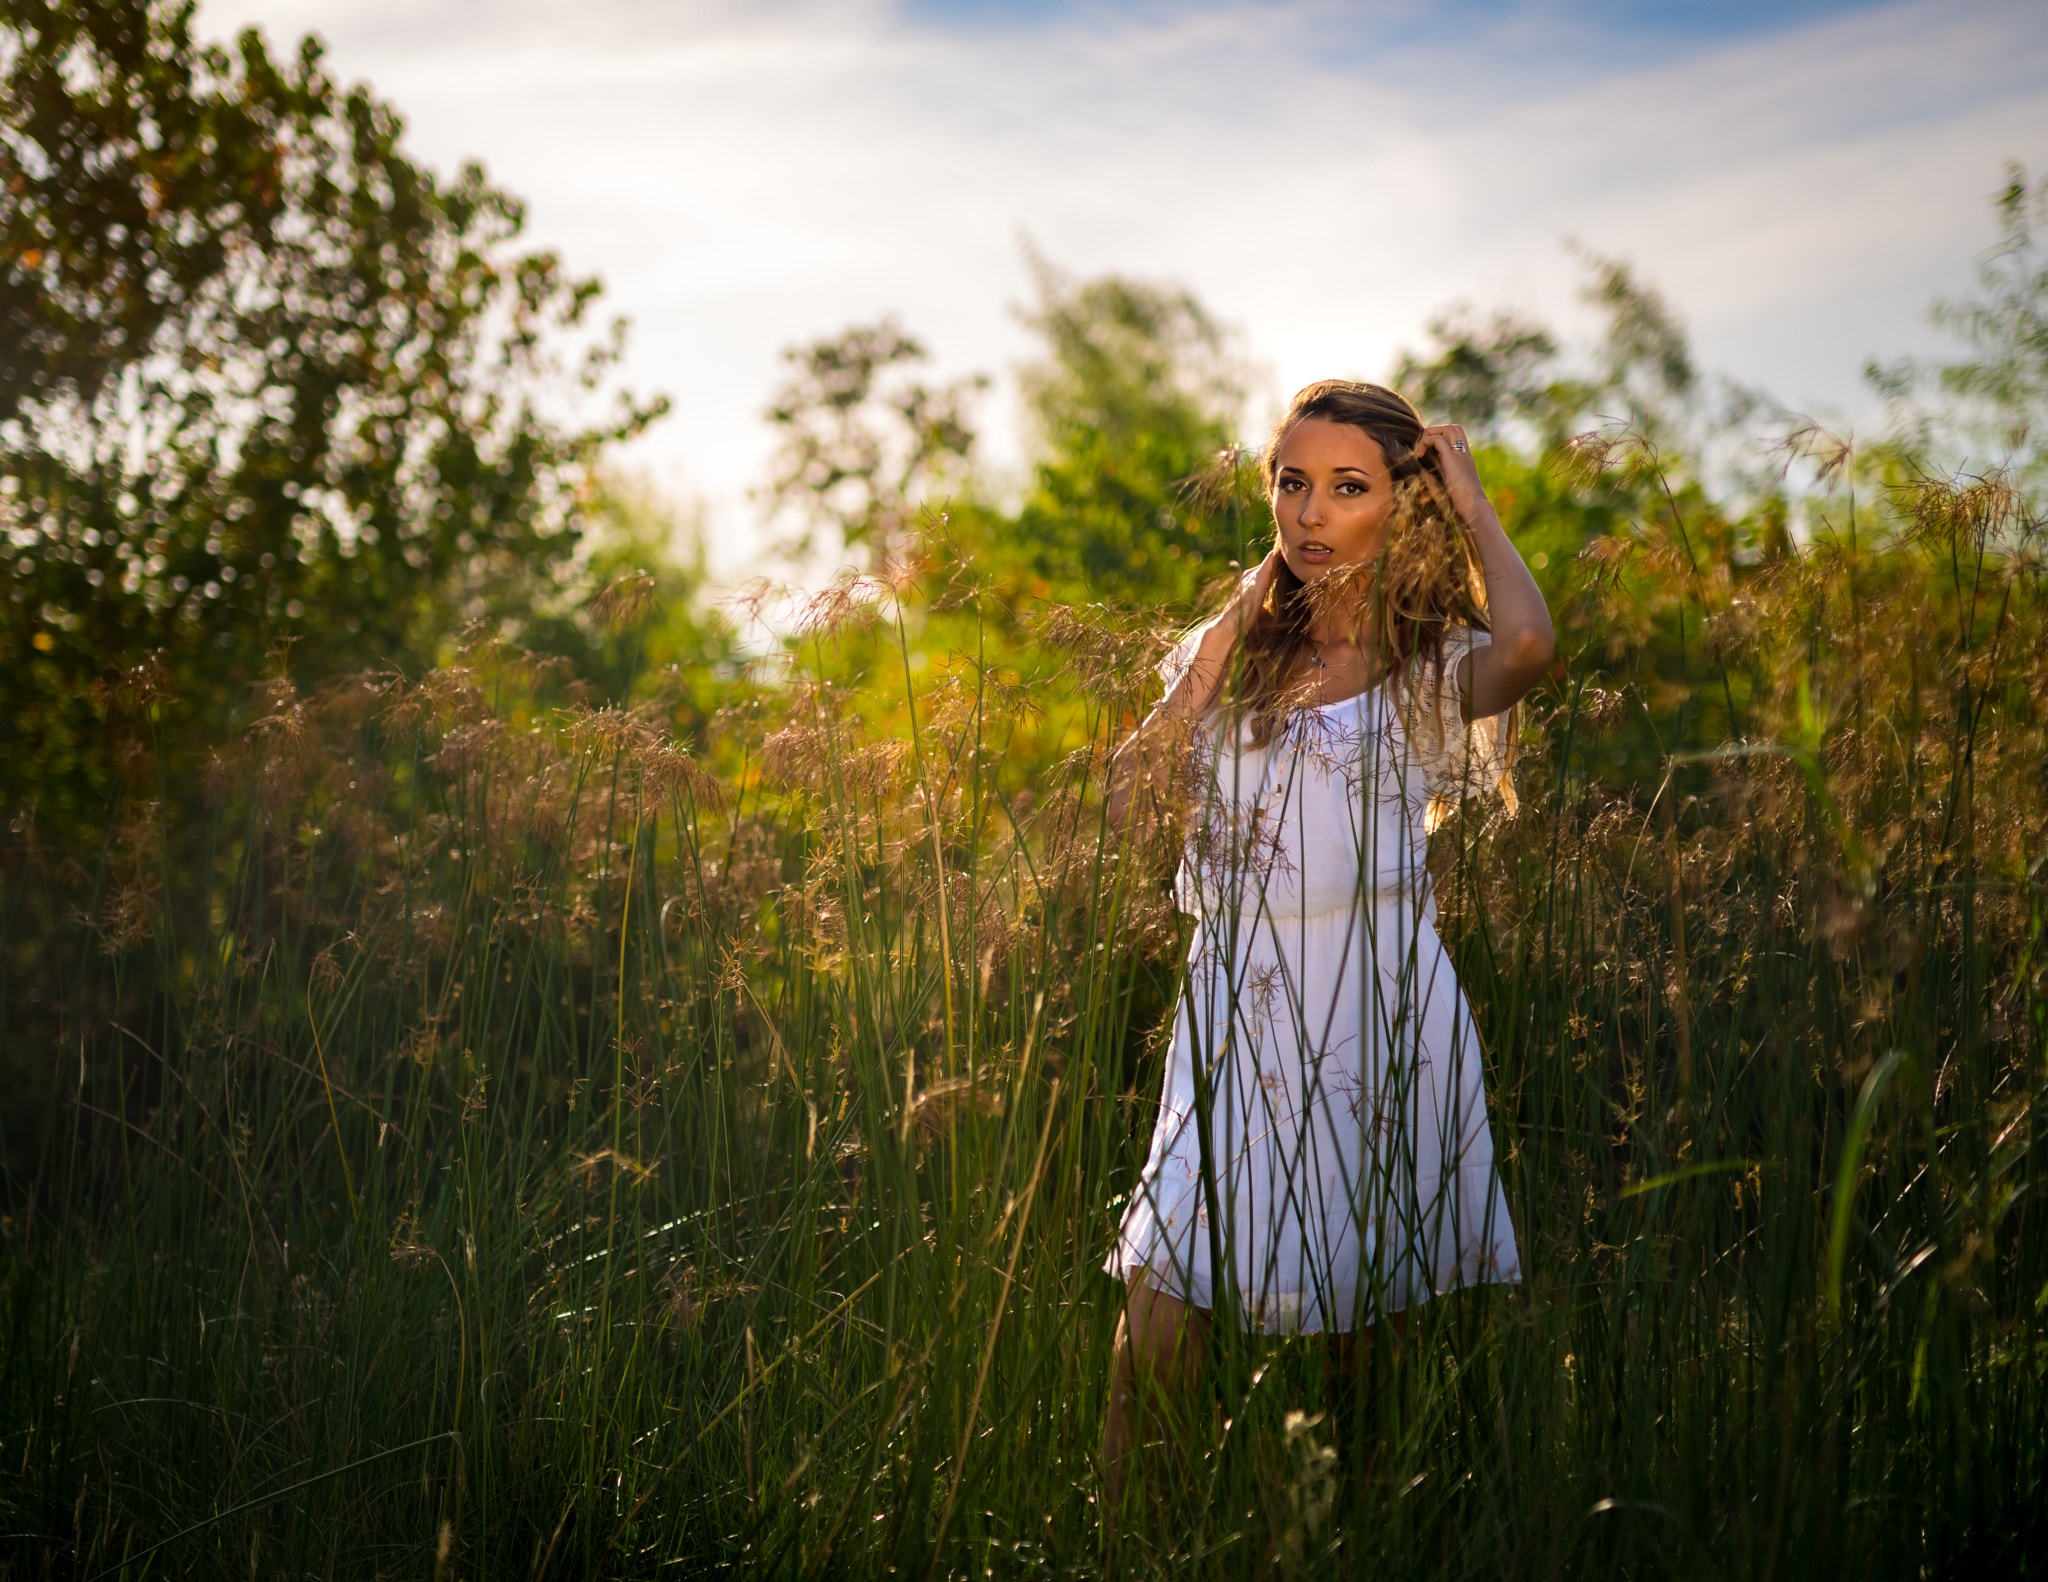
(632, 618)
(1498, 372)
(1136, 395)
(1996, 399)
(1644, 354)
(1483, 371)
(261, 379)
(863, 442)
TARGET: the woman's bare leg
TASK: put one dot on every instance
(1348, 1353)
(1347, 1347)
(1162, 1345)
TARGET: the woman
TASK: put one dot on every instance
(1321, 1160)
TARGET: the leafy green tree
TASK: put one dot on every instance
(1501, 375)
(1134, 398)
(1992, 407)
(1127, 408)
(262, 379)
(634, 617)
(1644, 355)
(863, 441)
(1601, 470)
(1483, 371)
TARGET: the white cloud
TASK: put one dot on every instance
(745, 177)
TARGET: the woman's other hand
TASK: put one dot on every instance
(1253, 587)
(1148, 752)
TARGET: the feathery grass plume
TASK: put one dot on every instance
(1105, 652)
(626, 603)
(1229, 478)
(1968, 516)
(849, 600)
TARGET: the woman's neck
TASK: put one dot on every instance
(1349, 620)
(1341, 606)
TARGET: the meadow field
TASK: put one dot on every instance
(505, 1072)
(549, 1147)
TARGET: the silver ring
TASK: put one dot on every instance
(1457, 445)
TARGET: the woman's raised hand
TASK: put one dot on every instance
(1496, 677)
(1461, 477)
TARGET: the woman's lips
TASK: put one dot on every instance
(1315, 553)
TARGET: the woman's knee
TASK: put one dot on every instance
(1161, 1333)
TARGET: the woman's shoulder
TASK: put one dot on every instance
(1181, 654)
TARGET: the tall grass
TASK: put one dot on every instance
(496, 1141)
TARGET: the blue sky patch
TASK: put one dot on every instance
(1634, 30)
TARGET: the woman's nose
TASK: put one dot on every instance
(1312, 510)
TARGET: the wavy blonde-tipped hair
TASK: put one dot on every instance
(1426, 580)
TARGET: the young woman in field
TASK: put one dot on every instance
(1321, 1160)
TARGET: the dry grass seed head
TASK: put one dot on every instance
(940, 1108)
(586, 1167)
(625, 603)
(1229, 478)
(1831, 455)
(467, 750)
(1606, 555)
(794, 756)
(1614, 447)
(1731, 633)
(453, 696)
(851, 601)
(1602, 711)
(1965, 515)
(1107, 657)
(133, 692)
(666, 770)
(877, 771)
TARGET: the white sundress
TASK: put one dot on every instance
(1322, 1036)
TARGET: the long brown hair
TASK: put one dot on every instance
(1425, 581)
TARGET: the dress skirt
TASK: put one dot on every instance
(1321, 1155)
(1322, 1138)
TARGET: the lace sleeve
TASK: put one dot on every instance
(1458, 759)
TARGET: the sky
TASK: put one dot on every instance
(1800, 178)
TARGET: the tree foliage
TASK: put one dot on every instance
(863, 441)
(1484, 370)
(1991, 405)
(1135, 396)
(1504, 376)
(262, 380)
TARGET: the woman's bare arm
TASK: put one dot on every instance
(1147, 756)
(1498, 676)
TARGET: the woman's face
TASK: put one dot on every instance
(1332, 496)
